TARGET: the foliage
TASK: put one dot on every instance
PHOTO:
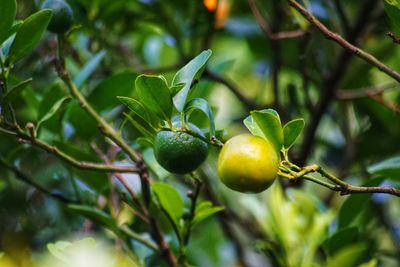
(79, 112)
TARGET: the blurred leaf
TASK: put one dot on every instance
(291, 132)
(388, 167)
(355, 205)
(269, 123)
(147, 132)
(8, 9)
(29, 34)
(176, 88)
(104, 96)
(95, 214)
(57, 249)
(53, 110)
(187, 74)
(201, 105)
(15, 91)
(340, 239)
(170, 200)
(392, 9)
(88, 69)
(154, 95)
(204, 210)
(372, 263)
(139, 110)
(348, 256)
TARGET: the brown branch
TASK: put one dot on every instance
(345, 44)
(394, 38)
(267, 29)
(392, 106)
(351, 94)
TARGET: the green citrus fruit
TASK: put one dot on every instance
(62, 18)
(179, 152)
(248, 164)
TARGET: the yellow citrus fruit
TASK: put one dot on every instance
(248, 164)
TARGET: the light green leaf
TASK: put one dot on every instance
(252, 126)
(201, 105)
(15, 91)
(8, 9)
(389, 167)
(176, 88)
(155, 95)
(53, 110)
(204, 210)
(291, 132)
(170, 200)
(88, 69)
(187, 74)
(269, 123)
(29, 34)
(349, 256)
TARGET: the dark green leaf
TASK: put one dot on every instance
(53, 110)
(291, 132)
(103, 97)
(15, 91)
(204, 210)
(355, 205)
(29, 34)
(201, 105)
(141, 126)
(269, 123)
(188, 74)
(392, 9)
(8, 9)
(88, 69)
(389, 167)
(176, 88)
(139, 110)
(94, 214)
(154, 93)
(170, 200)
(340, 239)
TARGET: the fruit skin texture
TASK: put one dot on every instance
(248, 164)
(179, 152)
(62, 18)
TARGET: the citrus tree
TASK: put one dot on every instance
(170, 133)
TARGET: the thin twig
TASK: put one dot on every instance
(351, 94)
(344, 43)
(267, 29)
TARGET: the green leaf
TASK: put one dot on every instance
(154, 93)
(349, 256)
(15, 91)
(176, 88)
(88, 69)
(8, 9)
(139, 110)
(291, 132)
(103, 96)
(388, 167)
(252, 126)
(201, 105)
(355, 205)
(269, 123)
(96, 215)
(141, 126)
(29, 34)
(204, 210)
(340, 239)
(53, 110)
(392, 9)
(170, 200)
(187, 74)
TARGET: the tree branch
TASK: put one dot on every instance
(345, 44)
(352, 94)
(267, 29)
